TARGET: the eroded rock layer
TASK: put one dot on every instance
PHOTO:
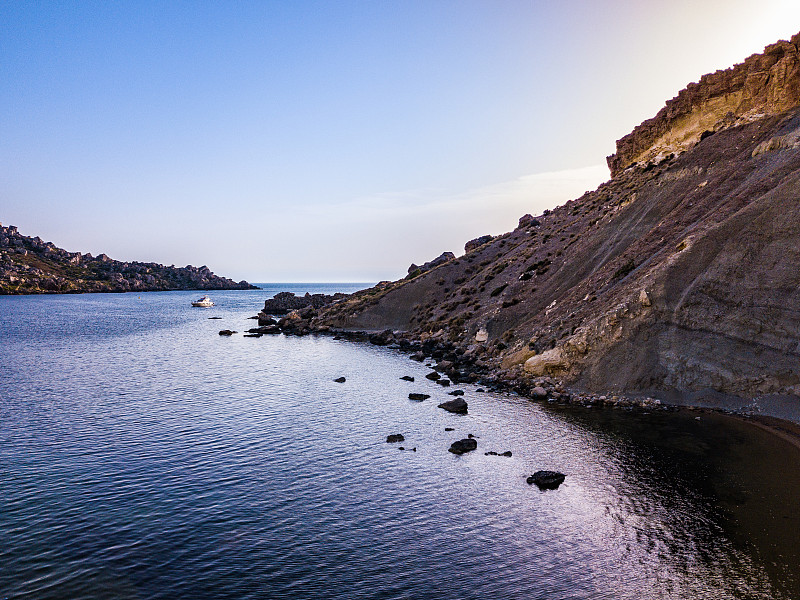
(764, 84)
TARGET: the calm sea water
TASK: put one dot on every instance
(144, 456)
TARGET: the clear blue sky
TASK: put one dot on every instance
(335, 140)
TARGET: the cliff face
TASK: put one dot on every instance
(764, 84)
(32, 266)
(677, 278)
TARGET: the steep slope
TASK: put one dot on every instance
(32, 266)
(678, 276)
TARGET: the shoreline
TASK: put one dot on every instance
(785, 429)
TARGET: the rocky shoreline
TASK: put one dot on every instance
(29, 265)
(458, 364)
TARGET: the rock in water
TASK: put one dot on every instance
(226, 332)
(433, 376)
(395, 437)
(546, 480)
(407, 378)
(457, 405)
(416, 396)
(456, 393)
(340, 380)
(462, 446)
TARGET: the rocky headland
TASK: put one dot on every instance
(676, 281)
(32, 266)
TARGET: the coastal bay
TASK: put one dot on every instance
(145, 456)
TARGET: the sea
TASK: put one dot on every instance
(144, 456)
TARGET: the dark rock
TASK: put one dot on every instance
(418, 356)
(383, 338)
(439, 260)
(270, 329)
(255, 335)
(213, 318)
(416, 396)
(340, 380)
(395, 437)
(538, 393)
(285, 302)
(449, 429)
(490, 453)
(546, 480)
(462, 446)
(443, 382)
(507, 454)
(226, 332)
(456, 393)
(407, 378)
(433, 376)
(528, 221)
(477, 243)
(457, 406)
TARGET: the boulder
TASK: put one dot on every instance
(418, 356)
(443, 382)
(457, 406)
(384, 338)
(407, 378)
(528, 221)
(226, 332)
(463, 446)
(546, 480)
(538, 393)
(395, 437)
(433, 376)
(456, 393)
(340, 380)
(419, 397)
(439, 260)
(477, 243)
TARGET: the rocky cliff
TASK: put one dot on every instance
(764, 84)
(676, 279)
(32, 266)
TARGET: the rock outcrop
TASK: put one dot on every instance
(33, 266)
(444, 257)
(763, 85)
(675, 280)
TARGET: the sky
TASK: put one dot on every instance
(332, 141)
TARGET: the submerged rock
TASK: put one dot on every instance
(546, 480)
(340, 380)
(395, 437)
(417, 396)
(407, 378)
(227, 332)
(456, 393)
(457, 405)
(463, 446)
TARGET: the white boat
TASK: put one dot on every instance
(205, 301)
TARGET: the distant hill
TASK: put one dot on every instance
(679, 276)
(33, 266)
